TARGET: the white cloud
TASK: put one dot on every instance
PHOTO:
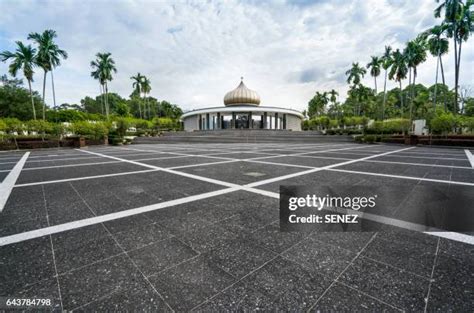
(195, 52)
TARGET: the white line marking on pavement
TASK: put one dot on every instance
(271, 180)
(403, 177)
(107, 217)
(470, 157)
(7, 185)
(83, 178)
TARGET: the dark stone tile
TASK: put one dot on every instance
(273, 239)
(317, 178)
(205, 238)
(25, 197)
(72, 172)
(161, 255)
(304, 161)
(25, 263)
(320, 257)
(237, 298)
(191, 283)
(82, 246)
(453, 286)
(11, 223)
(395, 286)
(353, 241)
(340, 298)
(294, 287)
(414, 257)
(240, 256)
(458, 250)
(241, 155)
(182, 161)
(463, 175)
(242, 172)
(141, 236)
(140, 299)
(44, 289)
(99, 280)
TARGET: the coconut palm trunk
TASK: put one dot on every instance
(54, 92)
(436, 81)
(32, 100)
(384, 95)
(107, 109)
(444, 82)
(401, 98)
(44, 92)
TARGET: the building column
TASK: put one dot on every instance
(270, 118)
(277, 126)
(264, 120)
(284, 121)
(200, 122)
(219, 125)
(233, 120)
(250, 121)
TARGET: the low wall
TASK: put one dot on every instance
(435, 140)
(38, 143)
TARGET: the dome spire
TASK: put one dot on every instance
(242, 96)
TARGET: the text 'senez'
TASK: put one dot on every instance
(370, 207)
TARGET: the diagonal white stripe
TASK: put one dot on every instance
(7, 185)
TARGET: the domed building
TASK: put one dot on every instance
(242, 111)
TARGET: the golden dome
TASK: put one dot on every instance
(242, 95)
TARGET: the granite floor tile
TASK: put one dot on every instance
(161, 255)
(240, 256)
(237, 298)
(453, 286)
(191, 283)
(412, 257)
(205, 238)
(320, 257)
(83, 246)
(140, 299)
(340, 298)
(99, 280)
(293, 287)
(273, 239)
(396, 287)
(25, 263)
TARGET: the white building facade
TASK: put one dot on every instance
(242, 111)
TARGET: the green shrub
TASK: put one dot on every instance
(369, 138)
(443, 123)
(164, 123)
(14, 125)
(91, 130)
(122, 125)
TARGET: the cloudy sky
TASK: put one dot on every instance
(194, 52)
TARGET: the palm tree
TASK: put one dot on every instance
(49, 57)
(105, 66)
(459, 20)
(146, 88)
(374, 66)
(386, 63)
(24, 58)
(355, 74)
(438, 45)
(137, 85)
(97, 74)
(415, 54)
(333, 94)
(398, 72)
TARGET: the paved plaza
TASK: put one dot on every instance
(195, 227)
